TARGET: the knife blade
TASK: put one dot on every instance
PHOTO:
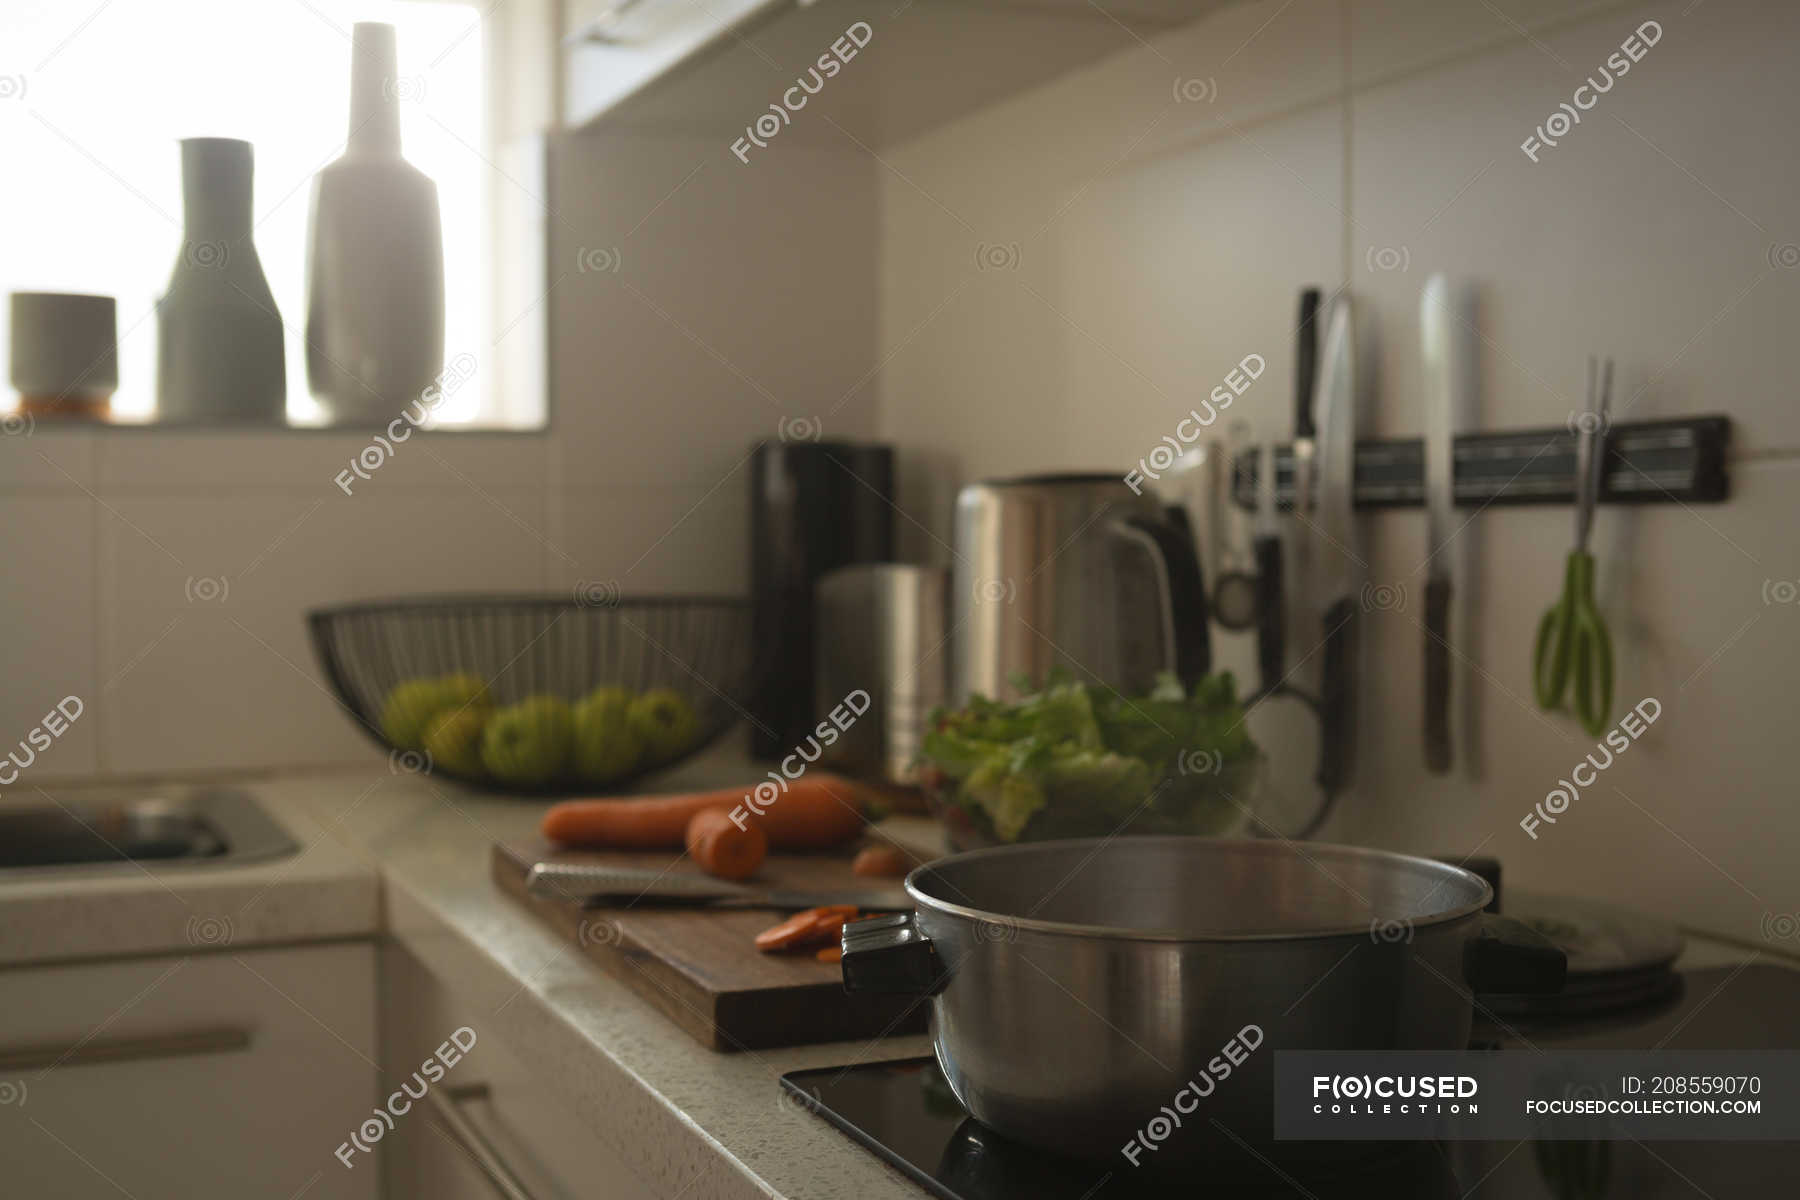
(590, 883)
(1271, 604)
(1306, 363)
(1337, 402)
(1446, 325)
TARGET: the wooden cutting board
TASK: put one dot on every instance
(700, 967)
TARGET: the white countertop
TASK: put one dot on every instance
(408, 857)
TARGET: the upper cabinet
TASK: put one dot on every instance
(713, 67)
(615, 49)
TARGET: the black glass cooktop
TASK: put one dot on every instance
(906, 1113)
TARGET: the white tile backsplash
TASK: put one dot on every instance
(1622, 240)
(168, 574)
(1049, 283)
(36, 455)
(205, 652)
(48, 653)
(654, 540)
(1653, 234)
(157, 460)
(742, 301)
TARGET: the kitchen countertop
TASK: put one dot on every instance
(408, 856)
(60, 914)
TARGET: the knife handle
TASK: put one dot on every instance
(1437, 675)
(1306, 363)
(1336, 735)
(1271, 629)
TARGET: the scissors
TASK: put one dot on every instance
(1571, 639)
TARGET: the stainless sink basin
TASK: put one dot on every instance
(180, 826)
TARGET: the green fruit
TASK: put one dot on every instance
(527, 744)
(410, 707)
(665, 722)
(606, 745)
(453, 740)
(612, 694)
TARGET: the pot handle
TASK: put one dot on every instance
(1171, 547)
(890, 954)
(1511, 958)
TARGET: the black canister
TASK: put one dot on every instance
(814, 506)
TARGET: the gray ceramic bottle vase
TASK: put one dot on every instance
(220, 354)
(375, 281)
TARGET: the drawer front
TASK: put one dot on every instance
(489, 1125)
(214, 1075)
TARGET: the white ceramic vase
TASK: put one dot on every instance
(375, 281)
(220, 352)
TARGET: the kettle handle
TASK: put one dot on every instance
(1171, 546)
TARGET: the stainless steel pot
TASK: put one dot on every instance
(1078, 987)
(1072, 571)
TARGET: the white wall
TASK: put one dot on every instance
(1149, 242)
(743, 296)
(1051, 283)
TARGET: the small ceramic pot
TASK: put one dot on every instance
(65, 353)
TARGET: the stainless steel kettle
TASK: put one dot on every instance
(1077, 571)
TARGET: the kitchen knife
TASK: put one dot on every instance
(1236, 591)
(1306, 363)
(1271, 630)
(590, 884)
(1446, 324)
(1271, 605)
(1336, 583)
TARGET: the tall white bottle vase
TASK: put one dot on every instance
(375, 281)
(220, 352)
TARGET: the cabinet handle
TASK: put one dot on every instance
(43, 1056)
(446, 1103)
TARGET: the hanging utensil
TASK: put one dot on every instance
(1572, 642)
(1336, 584)
(1236, 593)
(1271, 604)
(1306, 473)
(1447, 327)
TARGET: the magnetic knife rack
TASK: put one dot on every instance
(1647, 462)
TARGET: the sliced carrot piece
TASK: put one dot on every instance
(785, 935)
(809, 928)
(883, 861)
(831, 954)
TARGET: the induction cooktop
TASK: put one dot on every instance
(905, 1112)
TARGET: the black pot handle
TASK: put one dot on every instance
(1511, 958)
(1174, 549)
(890, 954)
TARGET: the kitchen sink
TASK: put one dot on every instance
(179, 827)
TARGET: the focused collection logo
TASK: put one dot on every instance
(1406, 1095)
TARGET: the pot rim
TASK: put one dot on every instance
(1241, 845)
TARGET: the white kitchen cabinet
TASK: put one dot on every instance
(616, 48)
(712, 67)
(217, 1075)
(489, 1130)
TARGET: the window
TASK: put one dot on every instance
(95, 95)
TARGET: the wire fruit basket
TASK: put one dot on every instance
(538, 695)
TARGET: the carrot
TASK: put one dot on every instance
(815, 813)
(831, 954)
(889, 862)
(721, 848)
(787, 935)
(810, 928)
